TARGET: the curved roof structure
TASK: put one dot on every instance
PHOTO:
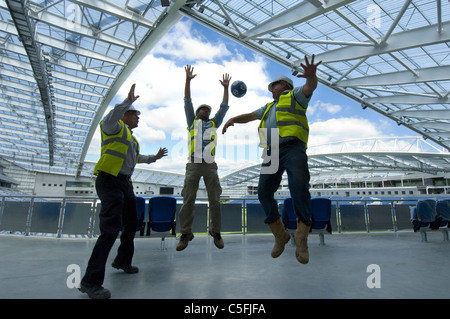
(360, 160)
(62, 62)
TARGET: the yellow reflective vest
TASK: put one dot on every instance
(195, 132)
(291, 119)
(114, 150)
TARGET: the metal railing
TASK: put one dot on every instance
(78, 217)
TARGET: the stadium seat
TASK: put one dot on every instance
(321, 214)
(443, 216)
(140, 209)
(423, 214)
(161, 212)
(443, 211)
(425, 217)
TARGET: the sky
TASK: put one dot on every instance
(160, 80)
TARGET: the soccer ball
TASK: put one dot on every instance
(238, 88)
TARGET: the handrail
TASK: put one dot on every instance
(62, 213)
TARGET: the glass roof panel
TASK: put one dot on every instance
(61, 62)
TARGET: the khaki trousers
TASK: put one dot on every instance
(194, 171)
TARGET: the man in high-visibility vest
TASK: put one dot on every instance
(284, 133)
(202, 147)
(119, 155)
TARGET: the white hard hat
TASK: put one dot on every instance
(203, 105)
(132, 108)
(281, 78)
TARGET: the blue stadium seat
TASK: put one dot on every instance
(161, 212)
(424, 214)
(443, 212)
(443, 216)
(321, 215)
(140, 209)
(428, 216)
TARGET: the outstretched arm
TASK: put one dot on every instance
(148, 159)
(309, 72)
(243, 118)
(226, 78)
(189, 76)
(161, 153)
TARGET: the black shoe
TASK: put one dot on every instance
(95, 291)
(128, 269)
(217, 239)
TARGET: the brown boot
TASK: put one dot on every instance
(301, 242)
(184, 241)
(281, 237)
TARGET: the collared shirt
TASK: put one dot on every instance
(271, 121)
(111, 126)
(218, 117)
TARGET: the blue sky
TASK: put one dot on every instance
(160, 82)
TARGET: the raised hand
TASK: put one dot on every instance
(131, 95)
(226, 78)
(189, 72)
(161, 153)
(309, 69)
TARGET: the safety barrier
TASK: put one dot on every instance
(78, 217)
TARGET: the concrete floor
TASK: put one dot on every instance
(35, 267)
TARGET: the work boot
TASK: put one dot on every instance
(184, 240)
(128, 269)
(95, 291)
(301, 242)
(282, 237)
(217, 239)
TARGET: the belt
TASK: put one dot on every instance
(288, 143)
(198, 160)
(121, 176)
(127, 177)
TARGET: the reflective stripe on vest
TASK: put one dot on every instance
(291, 119)
(114, 150)
(194, 136)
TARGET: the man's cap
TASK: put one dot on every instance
(203, 105)
(281, 78)
(132, 108)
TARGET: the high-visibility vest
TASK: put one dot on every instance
(291, 119)
(195, 132)
(114, 150)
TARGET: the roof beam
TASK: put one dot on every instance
(295, 15)
(424, 114)
(75, 49)
(395, 23)
(434, 125)
(26, 31)
(420, 37)
(407, 99)
(440, 73)
(115, 10)
(59, 22)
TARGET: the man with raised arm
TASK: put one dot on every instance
(284, 135)
(119, 155)
(202, 141)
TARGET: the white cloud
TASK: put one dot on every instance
(340, 129)
(318, 107)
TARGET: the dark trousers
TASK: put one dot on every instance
(293, 160)
(118, 212)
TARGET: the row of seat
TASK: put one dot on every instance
(431, 215)
(162, 210)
